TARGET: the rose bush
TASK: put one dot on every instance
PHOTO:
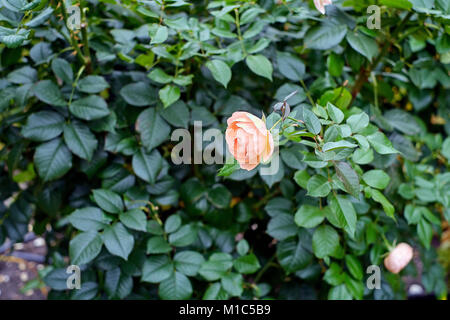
(359, 116)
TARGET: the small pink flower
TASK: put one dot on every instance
(320, 4)
(399, 257)
(248, 140)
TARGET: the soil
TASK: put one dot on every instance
(19, 264)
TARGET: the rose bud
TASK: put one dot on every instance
(320, 4)
(399, 258)
(248, 140)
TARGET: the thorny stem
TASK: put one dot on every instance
(386, 242)
(238, 26)
(73, 41)
(307, 93)
(364, 74)
(296, 120)
(264, 269)
(87, 53)
(275, 124)
(375, 89)
(74, 85)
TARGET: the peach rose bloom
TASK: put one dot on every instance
(248, 140)
(320, 4)
(399, 257)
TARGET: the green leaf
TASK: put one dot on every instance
(376, 179)
(118, 240)
(356, 288)
(24, 75)
(219, 196)
(92, 84)
(311, 121)
(247, 264)
(334, 275)
(278, 205)
(158, 75)
(47, 91)
(43, 126)
(335, 64)
(446, 148)
(177, 115)
(402, 121)
(184, 236)
(309, 216)
(422, 4)
(53, 159)
(220, 71)
(344, 213)
(89, 108)
(330, 146)
(147, 165)
(15, 38)
(88, 291)
(159, 35)
(273, 176)
(89, 218)
(118, 284)
(228, 169)
(242, 247)
(354, 266)
(233, 284)
(216, 266)
(294, 255)
(318, 186)
(325, 36)
(85, 247)
(156, 269)
(156, 245)
(425, 233)
(139, 94)
(215, 292)
(62, 70)
(188, 262)
(134, 219)
(349, 177)
(287, 90)
(260, 65)
(80, 140)
(325, 241)
(293, 157)
(172, 223)
(176, 287)
(399, 4)
(413, 214)
(361, 156)
(301, 178)
(57, 279)
(335, 113)
(169, 94)
(290, 66)
(381, 143)
(358, 122)
(363, 44)
(282, 226)
(154, 130)
(387, 206)
(339, 293)
(107, 200)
